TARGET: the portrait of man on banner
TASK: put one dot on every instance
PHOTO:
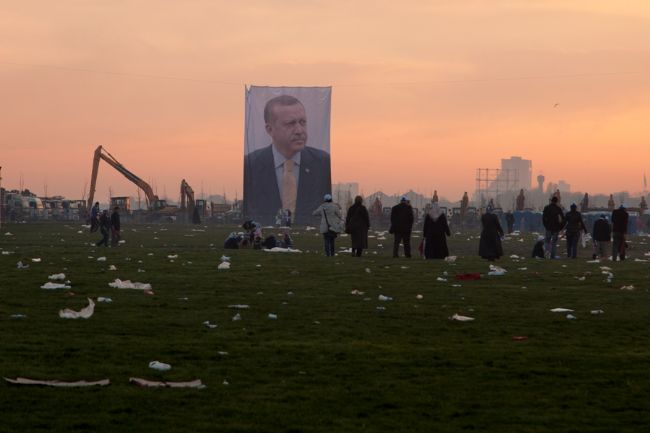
(287, 160)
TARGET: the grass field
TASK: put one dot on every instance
(332, 361)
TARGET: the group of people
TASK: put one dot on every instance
(555, 220)
(108, 225)
(252, 237)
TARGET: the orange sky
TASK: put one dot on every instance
(424, 91)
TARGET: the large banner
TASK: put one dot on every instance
(286, 152)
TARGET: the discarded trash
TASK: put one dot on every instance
(56, 277)
(460, 318)
(441, 279)
(52, 286)
(172, 256)
(357, 292)
(127, 284)
(450, 259)
(239, 306)
(101, 259)
(18, 316)
(469, 276)
(381, 308)
(496, 271)
(104, 300)
(224, 265)
(272, 316)
(112, 268)
(160, 384)
(57, 383)
(282, 250)
(595, 312)
(384, 298)
(36, 260)
(630, 287)
(561, 310)
(419, 297)
(160, 366)
(21, 265)
(209, 325)
(571, 317)
(368, 270)
(236, 317)
(84, 313)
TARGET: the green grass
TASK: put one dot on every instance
(331, 362)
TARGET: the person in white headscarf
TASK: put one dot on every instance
(436, 230)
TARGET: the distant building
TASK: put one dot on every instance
(523, 170)
(344, 193)
(563, 186)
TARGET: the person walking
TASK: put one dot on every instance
(401, 224)
(574, 225)
(510, 221)
(357, 223)
(94, 218)
(330, 223)
(601, 236)
(115, 226)
(104, 228)
(553, 220)
(489, 246)
(435, 232)
(619, 230)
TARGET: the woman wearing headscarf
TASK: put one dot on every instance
(436, 230)
(330, 222)
(357, 223)
(490, 244)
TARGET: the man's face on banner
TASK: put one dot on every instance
(288, 128)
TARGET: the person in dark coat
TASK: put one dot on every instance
(94, 218)
(510, 221)
(357, 223)
(601, 236)
(553, 220)
(435, 233)
(538, 248)
(401, 224)
(115, 226)
(490, 243)
(619, 230)
(104, 228)
(574, 225)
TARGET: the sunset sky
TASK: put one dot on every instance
(424, 91)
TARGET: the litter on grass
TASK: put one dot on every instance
(104, 300)
(55, 277)
(84, 313)
(160, 384)
(630, 287)
(596, 312)
(236, 317)
(272, 316)
(127, 284)
(282, 250)
(223, 265)
(561, 310)
(357, 292)
(209, 325)
(239, 306)
(460, 318)
(53, 286)
(384, 298)
(160, 366)
(571, 317)
(101, 259)
(57, 383)
(21, 265)
(496, 271)
(450, 259)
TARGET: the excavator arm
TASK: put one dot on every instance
(101, 153)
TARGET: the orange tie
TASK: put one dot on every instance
(289, 188)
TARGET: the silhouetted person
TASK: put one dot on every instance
(574, 225)
(115, 226)
(104, 228)
(521, 200)
(619, 230)
(435, 233)
(489, 246)
(510, 221)
(357, 223)
(553, 220)
(94, 218)
(601, 237)
(401, 224)
(610, 202)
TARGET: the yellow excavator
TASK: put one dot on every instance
(188, 204)
(156, 209)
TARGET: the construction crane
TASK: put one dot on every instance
(152, 200)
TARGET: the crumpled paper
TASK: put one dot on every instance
(52, 286)
(84, 313)
(160, 384)
(127, 284)
(57, 383)
(460, 318)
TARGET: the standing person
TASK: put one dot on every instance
(115, 226)
(435, 233)
(601, 236)
(401, 224)
(510, 221)
(489, 246)
(94, 218)
(619, 230)
(574, 225)
(553, 220)
(357, 223)
(330, 223)
(104, 228)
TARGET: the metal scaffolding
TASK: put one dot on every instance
(490, 182)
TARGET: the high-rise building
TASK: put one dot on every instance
(522, 170)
